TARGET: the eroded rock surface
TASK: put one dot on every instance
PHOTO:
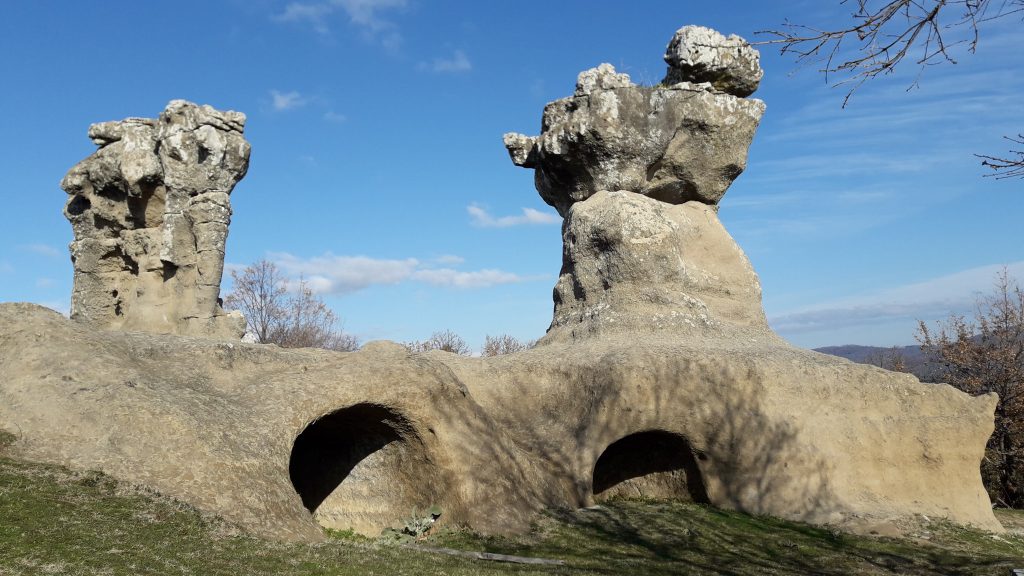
(632, 265)
(699, 54)
(284, 441)
(658, 376)
(675, 143)
(150, 211)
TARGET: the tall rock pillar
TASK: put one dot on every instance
(637, 172)
(150, 211)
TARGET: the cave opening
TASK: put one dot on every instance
(327, 451)
(651, 464)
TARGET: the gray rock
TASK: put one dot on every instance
(674, 144)
(699, 54)
(633, 265)
(150, 212)
(659, 376)
(604, 77)
(283, 441)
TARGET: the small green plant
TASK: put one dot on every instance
(346, 534)
(6, 439)
(415, 527)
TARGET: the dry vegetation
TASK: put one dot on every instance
(289, 316)
(986, 354)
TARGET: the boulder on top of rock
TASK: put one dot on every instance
(674, 143)
(698, 54)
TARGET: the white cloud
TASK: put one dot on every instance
(314, 14)
(455, 278)
(343, 274)
(957, 104)
(42, 250)
(44, 282)
(449, 260)
(458, 62)
(6, 267)
(482, 218)
(365, 12)
(332, 116)
(286, 100)
(232, 267)
(362, 13)
(346, 274)
(927, 300)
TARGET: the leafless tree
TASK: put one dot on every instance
(295, 318)
(309, 323)
(260, 294)
(884, 33)
(504, 344)
(986, 354)
(891, 359)
(444, 340)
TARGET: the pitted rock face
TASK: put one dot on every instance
(683, 140)
(604, 77)
(658, 352)
(699, 54)
(636, 172)
(633, 265)
(150, 212)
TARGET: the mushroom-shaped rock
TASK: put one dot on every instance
(698, 54)
(675, 144)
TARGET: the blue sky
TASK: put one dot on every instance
(378, 170)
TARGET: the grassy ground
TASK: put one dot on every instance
(54, 521)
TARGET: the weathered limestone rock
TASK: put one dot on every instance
(658, 377)
(699, 54)
(632, 265)
(150, 212)
(675, 144)
(284, 441)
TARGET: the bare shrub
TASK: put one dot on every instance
(274, 314)
(504, 344)
(986, 354)
(891, 359)
(444, 340)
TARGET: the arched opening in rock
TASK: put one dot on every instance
(652, 464)
(361, 467)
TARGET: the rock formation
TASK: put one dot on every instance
(150, 211)
(633, 264)
(684, 140)
(658, 377)
(699, 54)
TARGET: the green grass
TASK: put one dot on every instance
(55, 521)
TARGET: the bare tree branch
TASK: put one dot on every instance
(299, 319)
(1006, 167)
(504, 344)
(445, 340)
(885, 33)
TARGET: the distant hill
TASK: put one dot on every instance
(917, 362)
